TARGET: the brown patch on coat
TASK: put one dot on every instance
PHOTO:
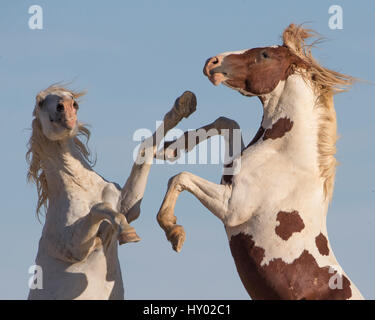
(322, 244)
(278, 129)
(290, 222)
(301, 279)
(247, 258)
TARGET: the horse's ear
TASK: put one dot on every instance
(39, 100)
(290, 39)
(79, 94)
(294, 37)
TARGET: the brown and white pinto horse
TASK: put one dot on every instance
(274, 209)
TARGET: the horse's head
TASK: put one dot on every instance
(55, 119)
(257, 71)
(253, 72)
(56, 109)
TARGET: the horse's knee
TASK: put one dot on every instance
(226, 123)
(104, 210)
(100, 207)
(179, 181)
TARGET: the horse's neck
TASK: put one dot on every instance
(65, 168)
(291, 107)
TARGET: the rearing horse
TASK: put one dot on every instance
(274, 209)
(86, 216)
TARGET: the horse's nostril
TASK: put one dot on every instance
(60, 108)
(210, 65)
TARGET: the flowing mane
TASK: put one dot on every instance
(326, 83)
(36, 147)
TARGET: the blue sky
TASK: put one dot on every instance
(134, 58)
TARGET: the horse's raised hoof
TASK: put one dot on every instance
(186, 104)
(128, 236)
(176, 236)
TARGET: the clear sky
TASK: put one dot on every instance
(134, 58)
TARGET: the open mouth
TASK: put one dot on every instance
(67, 124)
(217, 77)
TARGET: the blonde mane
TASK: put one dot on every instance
(36, 147)
(326, 84)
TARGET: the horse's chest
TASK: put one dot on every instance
(80, 200)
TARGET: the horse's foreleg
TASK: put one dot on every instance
(226, 127)
(75, 242)
(213, 196)
(103, 211)
(132, 192)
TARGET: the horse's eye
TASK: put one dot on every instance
(40, 104)
(75, 105)
(265, 55)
